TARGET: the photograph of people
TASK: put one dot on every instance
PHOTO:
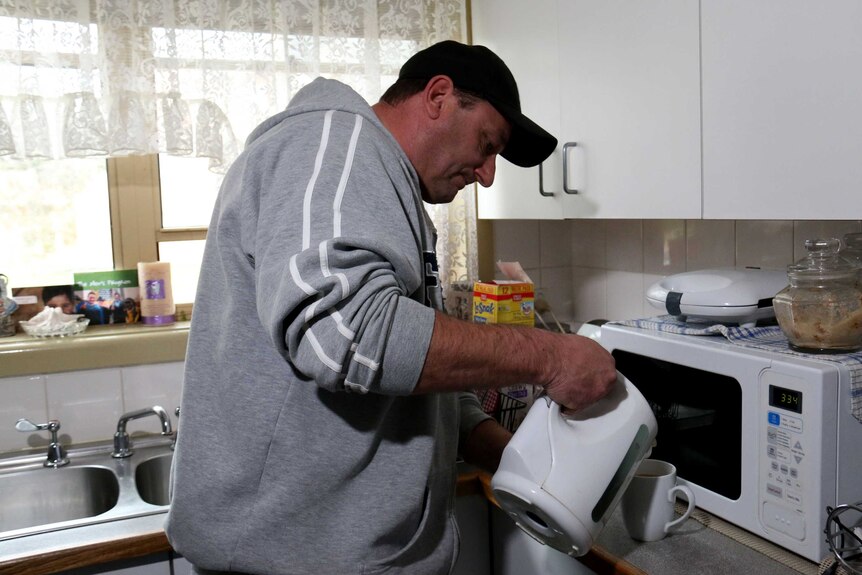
(62, 296)
(93, 309)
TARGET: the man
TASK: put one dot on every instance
(92, 309)
(320, 421)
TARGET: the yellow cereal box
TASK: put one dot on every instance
(502, 301)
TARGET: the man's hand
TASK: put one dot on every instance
(583, 373)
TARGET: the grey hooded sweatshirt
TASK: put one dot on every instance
(301, 449)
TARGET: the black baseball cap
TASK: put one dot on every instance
(478, 70)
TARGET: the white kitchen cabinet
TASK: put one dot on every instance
(782, 121)
(630, 99)
(523, 34)
(619, 78)
(719, 109)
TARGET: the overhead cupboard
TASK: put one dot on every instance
(718, 109)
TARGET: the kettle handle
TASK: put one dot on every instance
(556, 410)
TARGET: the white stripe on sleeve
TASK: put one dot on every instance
(318, 163)
(345, 175)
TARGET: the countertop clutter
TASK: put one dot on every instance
(697, 547)
(98, 347)
(703, 544)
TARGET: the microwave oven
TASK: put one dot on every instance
(765, 440)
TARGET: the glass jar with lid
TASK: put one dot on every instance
(851, 249)
(821, 310)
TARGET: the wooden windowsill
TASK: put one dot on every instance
(98, 347)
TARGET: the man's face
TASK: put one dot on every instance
(63, 302)
(469, 139)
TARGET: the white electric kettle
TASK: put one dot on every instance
(562, 475)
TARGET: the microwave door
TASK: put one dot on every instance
(699, 416)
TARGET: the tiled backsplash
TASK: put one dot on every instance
(87, 403)
(585, 269)
(600, 269)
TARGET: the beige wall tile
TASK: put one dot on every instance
(664, 246)
(764, 244)
(625, 248)
(805, 230)
(555, 241)
(22, 397)
(590, 294)
(624, 295)
(556, 288)
(149, 385)
(517, 240)
(709, 244)
(588, 243)
(87, 403)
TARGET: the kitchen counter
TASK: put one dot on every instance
(99, 346)
(694, 548)
(699, 546)
(84, 546)
(58, 551)
(703, 544)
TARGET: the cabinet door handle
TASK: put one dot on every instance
(541, 184)
(566, 147)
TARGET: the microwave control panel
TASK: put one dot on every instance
(787, 443)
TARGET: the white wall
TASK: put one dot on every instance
(600, 269)
(87, 403)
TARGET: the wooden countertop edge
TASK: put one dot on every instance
(471, 483)
(87, 555)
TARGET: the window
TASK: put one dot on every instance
(67, 216)
(143, 83)
(56, 220)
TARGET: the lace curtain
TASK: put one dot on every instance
(193, 77)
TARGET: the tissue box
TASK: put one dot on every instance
(508, 302)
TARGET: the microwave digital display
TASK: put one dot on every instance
(788, 399)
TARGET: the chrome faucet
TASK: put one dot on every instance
(56, 453)
(122, 444)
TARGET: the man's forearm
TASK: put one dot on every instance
(575, 371)
(485, 444)
(464, 355)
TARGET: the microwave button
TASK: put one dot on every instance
(785, 469)
(794, 497)
(774, 465)
(785, 520)
(774, 418)
(794, 473)
(774, 490)
(779, 454)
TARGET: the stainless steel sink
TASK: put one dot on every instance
(152, 478)
(46, 495)
(93, 488)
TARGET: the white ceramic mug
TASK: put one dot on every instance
(648, 503)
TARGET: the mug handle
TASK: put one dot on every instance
(671, 495)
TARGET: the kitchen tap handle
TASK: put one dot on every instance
(56, 452)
